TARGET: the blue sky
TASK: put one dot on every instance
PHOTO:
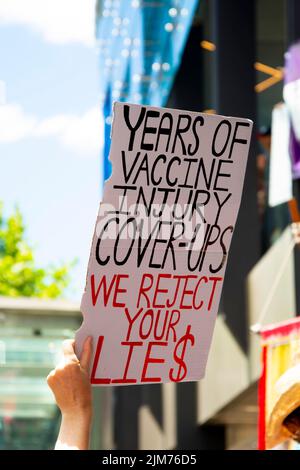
(50, 126)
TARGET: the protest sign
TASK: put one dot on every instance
(280, 183)
(161, 243)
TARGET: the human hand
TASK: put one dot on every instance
(70, 382)
(71, 387)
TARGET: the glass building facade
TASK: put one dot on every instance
(31, 335)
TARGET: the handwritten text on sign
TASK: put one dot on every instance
(161, 243)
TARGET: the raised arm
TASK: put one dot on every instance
(70, 384)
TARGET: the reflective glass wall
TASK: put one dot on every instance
(30, 344)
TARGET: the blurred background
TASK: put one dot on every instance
(62, 64)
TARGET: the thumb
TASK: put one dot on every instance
(86, 353)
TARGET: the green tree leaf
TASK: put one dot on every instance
(19, 275)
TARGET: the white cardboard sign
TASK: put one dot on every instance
(161, 243)
(280, 185)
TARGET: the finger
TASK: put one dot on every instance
(86, 353)
(50, 377)
(69, 351)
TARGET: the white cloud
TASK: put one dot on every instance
(59, 21)
(14, 123)
(2, 92)
(82, 134)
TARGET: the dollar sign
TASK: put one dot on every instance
(179, 357)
